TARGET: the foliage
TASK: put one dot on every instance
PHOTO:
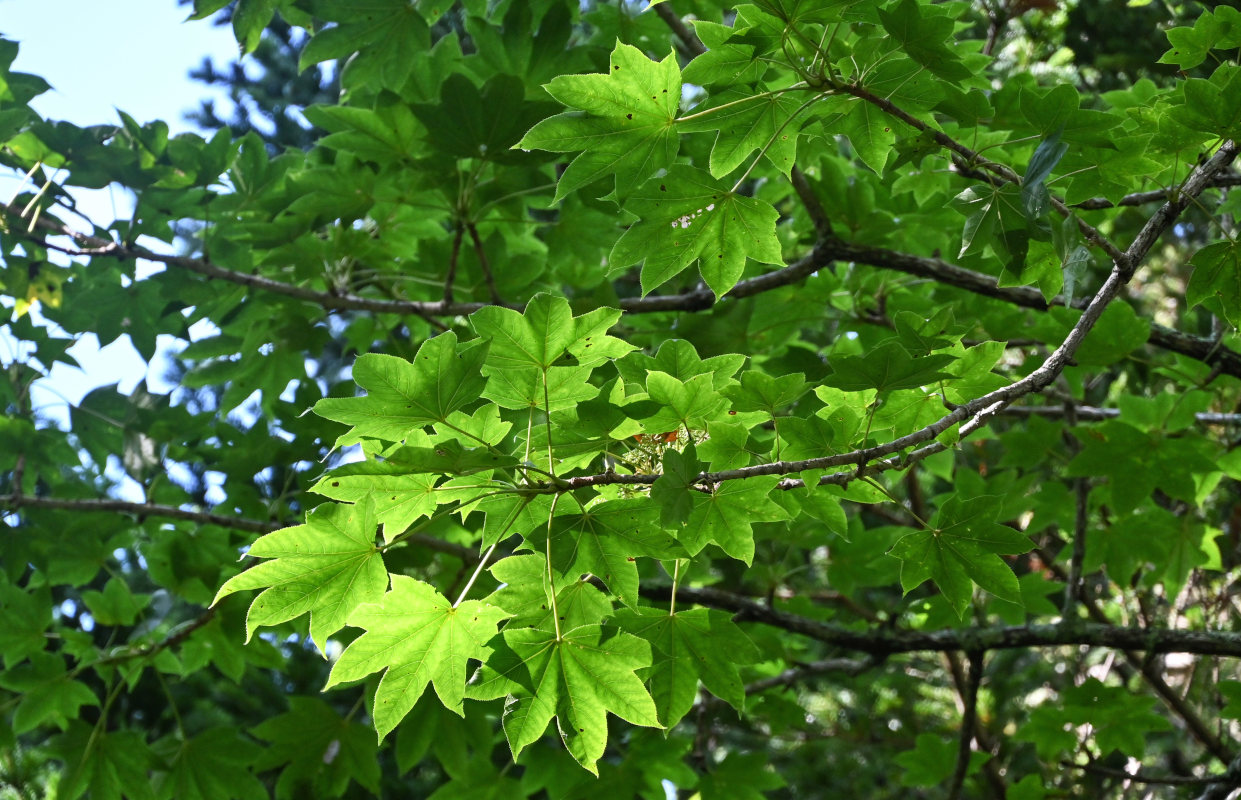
(796, 399)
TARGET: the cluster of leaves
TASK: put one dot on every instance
(641, 389)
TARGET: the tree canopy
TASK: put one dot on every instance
(800, 398)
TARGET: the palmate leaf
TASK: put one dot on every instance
(606, 539)
(887, 368)
(628, 130)
(682, 404)
(557, 389)
(405, 396)
(687, 216)
(699, 644)
(398, 496)
(579, 679)
(102, 764)
(745, 124)
(320, 751)
(1217, 274)
(727, 514)
(210, 766)
(326, 567)
(543, 334)
(418, 637)
(47, 692)
(377, 31)
(960, 549)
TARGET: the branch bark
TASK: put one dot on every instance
(883, 642)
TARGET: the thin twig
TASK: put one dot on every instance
(700, 299)
(484, 264)
(1140, 777)
(1081, 492)
(692, 43)
(973, 158)
(142, 510)
(969, 718)
(805, 193)
(453, 256)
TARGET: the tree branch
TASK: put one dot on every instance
(484, 264)
(683, 32)
(973, 158)
(969, 720)
(13, 502)
(700, 299)
(1142, 198)
(813, 669)
(882, 642)
(1094, 414)
(1140, 777)
(1205, 349)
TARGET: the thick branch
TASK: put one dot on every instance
(700, 299)
(1096, 414)
(885, 642)
(1142, 198)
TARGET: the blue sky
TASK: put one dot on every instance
(99, 56)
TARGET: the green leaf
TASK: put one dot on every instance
(469, 122)
(690, 646)
(448, 457)
(725, 62)
(320, 751)
(524, 594)
(213, 765)
(960, 549)
(762, 392)
(1217, 274)
(606, 539)
(887, 368)
(1218, 29)
(1057, 111)
(417, 637)
(378, 31)
(249, 19)
(673, 490)
(690, 404)
(687, 216)
(398, 497)
(679, 359)
(1213, 106)
(404, 396)
(628, 130)
(1034, 194)
(923, 37)
(930, 763)
(326, 567)
(535, 338)
(48, 693)
(102, 764)
(726, 516)
(578, 679)
(116, 604)
(557, 389)
(745, 124)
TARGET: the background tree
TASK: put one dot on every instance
(868, 367)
